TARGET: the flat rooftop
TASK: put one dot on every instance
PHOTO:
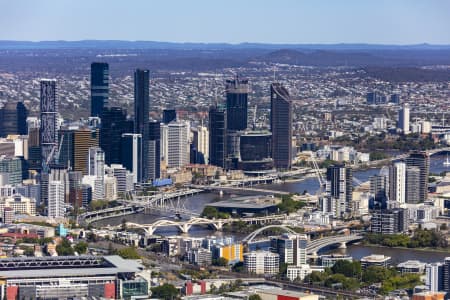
(66, 266)
(254, 202)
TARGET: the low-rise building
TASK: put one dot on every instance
(328, 261)
(375, 260)
(19, 204)
(66, 277)
(300, 272)
(411, 266)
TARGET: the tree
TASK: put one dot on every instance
(81, 247)
(165, 291)
(210, 212)
(128, 253)
(239, 267)
(254, 297)
(347, 268)
(221, 262)
(65, 248)
(28, 251)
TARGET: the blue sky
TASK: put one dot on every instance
(232, 21)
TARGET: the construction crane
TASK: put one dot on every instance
(54, 153)
(319, 176)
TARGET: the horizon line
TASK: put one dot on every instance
(227, 43)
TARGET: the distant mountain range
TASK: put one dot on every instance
(120, 44)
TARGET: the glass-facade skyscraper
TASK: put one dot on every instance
(281, 126)
(217, 136)
(13, 119)
(154, 150)
(237, 97)
(141, 115)
(114, 124)
(99, 87)
(420, 160)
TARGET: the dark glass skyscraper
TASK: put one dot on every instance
(13, 119)
(237, 95)
(132, 154)
(141, 115)
(217, 136)
(169, 115)
(99, 87)
(48, 132)
(114, 124)
(420, 160)
(154, 150)
(281, 126)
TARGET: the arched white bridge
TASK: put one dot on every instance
(185, 226)
(249, 238)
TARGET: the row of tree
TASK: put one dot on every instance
(350, 276)
(422, 238)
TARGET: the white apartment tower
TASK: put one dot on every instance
(203, 142)
(177, 144)
(403, 119)
(397, 182)
(55, 199)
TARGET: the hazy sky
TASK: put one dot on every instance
(233, 21)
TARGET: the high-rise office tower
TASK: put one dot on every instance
(48, 132)
(291, 248)
(281, 126)
(96, 172)
(256, 151)
(403, 119)
(397, 182)
(412, 186)
(99, 87)
(217, 136)
(379, 188)
(96, 162)
(169, 115)
(75, 188)
(13, 119)
(237, 97)
(132, 154)
(154, 150)
(177, 144)
(114, 124)
(395, 98)
(75, 144)
(201, 144)
(420, 160)
(141, 115)
(339, 187)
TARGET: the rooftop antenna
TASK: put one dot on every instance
(274, 76)
(443, 119)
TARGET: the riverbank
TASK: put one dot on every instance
(424, 249)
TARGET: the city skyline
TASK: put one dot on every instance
(322, 22)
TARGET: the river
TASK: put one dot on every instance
(197, 203)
